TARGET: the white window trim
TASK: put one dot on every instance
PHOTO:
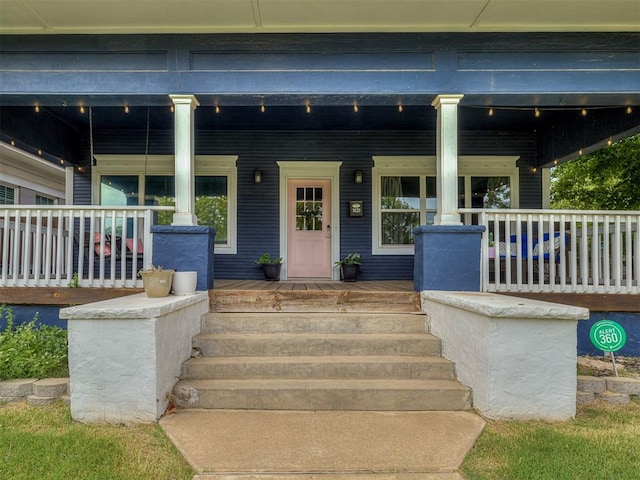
(425, 166)
(140, 165)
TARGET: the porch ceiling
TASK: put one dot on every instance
(218, 16)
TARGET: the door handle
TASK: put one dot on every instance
(328, 231)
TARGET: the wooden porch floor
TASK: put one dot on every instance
(315, 285)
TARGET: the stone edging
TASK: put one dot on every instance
(35, 391)
(615, 390)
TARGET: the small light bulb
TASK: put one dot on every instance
(536, 113)
(217, 108)
(583, 112)
(263, 108)
(80, 168)
(555, 162)
(62, 161)
(39, 152)
(580, 152)
(400, 109)
(126, 109)
(629, 110)
(355, 108)
(81, 109)
(534, 169)
(491, 112)
(172, 108)
(308, 108)
(610, 141)
(37, 108)
(13, 142)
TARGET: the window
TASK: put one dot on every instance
(404, 195)
(41, 200)
(7, 195)
(215, 190)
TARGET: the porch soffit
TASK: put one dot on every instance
(297, 16)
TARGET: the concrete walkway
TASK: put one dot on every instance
(326, 445)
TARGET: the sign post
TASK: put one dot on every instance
(608, 336)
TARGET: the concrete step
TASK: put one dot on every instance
(357, 367)
(313, 301)
(350, 394)
(285, 344)
(314, 322)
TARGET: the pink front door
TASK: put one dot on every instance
(309, 228)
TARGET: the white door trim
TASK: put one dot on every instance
(302, 170)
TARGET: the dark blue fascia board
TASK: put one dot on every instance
(415, 66)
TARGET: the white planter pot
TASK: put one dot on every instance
(184, 283)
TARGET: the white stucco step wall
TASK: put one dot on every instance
(125, 354)
(517, 355)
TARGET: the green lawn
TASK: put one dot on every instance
(601, 443)
(44, 443)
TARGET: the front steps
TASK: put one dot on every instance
(326, 360)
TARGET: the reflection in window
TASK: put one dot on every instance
(159, 190)
(399, 209)
(119, 190)
(490, 192)
(309, 209)
(212, 205)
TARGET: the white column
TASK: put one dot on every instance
(185, 106)
(68, 185)
(447, 159)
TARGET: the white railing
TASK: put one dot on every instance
(568, 251)
(41, 246)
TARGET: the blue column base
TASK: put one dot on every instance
(447, 257)
(185, 248)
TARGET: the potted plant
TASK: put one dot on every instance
(492, 248)
(270, 267)
(156, 281)
(350, 267)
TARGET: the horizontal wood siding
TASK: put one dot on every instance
(258, 219)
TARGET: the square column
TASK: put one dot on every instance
(185, 106)
(447, 159)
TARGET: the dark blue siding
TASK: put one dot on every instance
(258, 205)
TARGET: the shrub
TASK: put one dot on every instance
(32, 351)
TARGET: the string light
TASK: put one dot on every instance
(13, 142)
(62, 161)
(308, 108)
(400, 109)
(491, 112)
(580, 152)
(262, 108)
(81, 108)
(126, 109)
(536, 112)
(629, 110)
(37, 108)
(583, 112)
(555, 162)
(534, 169)
(39, 152)
(172, 108)
(610, 141)
(80, 168)
(217, 108)
(355, 108)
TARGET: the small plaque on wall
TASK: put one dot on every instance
(355, 208)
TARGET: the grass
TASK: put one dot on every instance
(602, 442)
(44, 443)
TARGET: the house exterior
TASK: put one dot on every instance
(310, 130)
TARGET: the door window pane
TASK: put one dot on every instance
(309, 208)
(119, 190)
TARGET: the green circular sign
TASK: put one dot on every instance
(608, 335)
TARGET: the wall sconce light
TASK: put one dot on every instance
(357, 177)
(257, 176)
